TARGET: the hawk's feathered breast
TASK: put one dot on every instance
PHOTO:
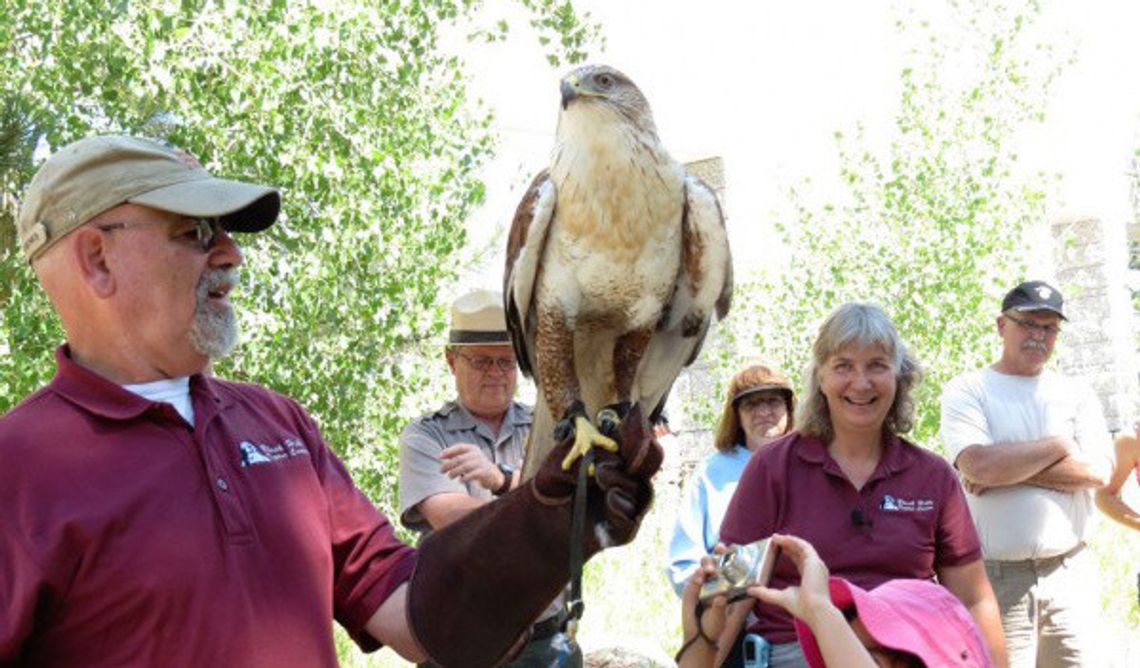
(615, 263)
(614, 241)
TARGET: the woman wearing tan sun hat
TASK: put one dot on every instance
(759, 407)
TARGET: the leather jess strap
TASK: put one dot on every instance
(577, 535)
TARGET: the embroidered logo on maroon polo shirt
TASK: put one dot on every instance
(252, 454)
(898, 504)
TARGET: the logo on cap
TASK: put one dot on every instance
(1044, 291)
(187, 158)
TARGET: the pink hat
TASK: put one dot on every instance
(914, 616)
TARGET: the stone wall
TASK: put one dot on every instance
(1099, 344)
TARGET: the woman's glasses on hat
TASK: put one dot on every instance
(204, 232)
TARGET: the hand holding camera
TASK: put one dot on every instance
(724, 576)
(738, 568)
(812, 594)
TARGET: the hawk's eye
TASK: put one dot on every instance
(604, 81)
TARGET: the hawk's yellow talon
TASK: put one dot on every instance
(586, 436)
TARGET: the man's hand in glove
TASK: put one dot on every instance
(620, 489)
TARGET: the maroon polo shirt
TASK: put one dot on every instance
(909, 520)
(129, 539)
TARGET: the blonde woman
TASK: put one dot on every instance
(875, 506)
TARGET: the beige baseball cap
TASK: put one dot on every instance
(92, 175)
(477, 320)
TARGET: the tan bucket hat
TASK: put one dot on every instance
(92, 175)
(759, 378)
(477, 320)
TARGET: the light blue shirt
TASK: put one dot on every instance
(702, 508)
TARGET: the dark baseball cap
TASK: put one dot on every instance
(1034, 296)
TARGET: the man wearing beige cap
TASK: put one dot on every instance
(468, 452)
(153, 515)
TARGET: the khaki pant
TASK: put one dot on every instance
(788, 655)
(1049, 609)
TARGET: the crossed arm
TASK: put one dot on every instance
(1054, 463)
(1076, 456)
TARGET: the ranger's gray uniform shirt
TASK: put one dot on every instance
(427, 436)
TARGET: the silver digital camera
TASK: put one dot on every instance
(741, 567)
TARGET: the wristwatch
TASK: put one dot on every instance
(508, 472)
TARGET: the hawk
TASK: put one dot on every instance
(616, 261)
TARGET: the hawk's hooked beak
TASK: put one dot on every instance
(572, 89)
(569, 91)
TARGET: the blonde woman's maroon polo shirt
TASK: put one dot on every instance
(128, 538)
(908, 520)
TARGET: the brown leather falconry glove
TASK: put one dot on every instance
(482, 581)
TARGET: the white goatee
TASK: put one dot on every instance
(215, 330)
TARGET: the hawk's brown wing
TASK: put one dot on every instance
(525, 246)
(703, 287)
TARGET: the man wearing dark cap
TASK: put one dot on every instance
(470, 450)
(153, 515)
(1031, 447)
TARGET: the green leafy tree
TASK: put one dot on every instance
(359, 116)
(933, 227)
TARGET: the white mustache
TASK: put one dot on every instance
(213, 279)
(1033, 344)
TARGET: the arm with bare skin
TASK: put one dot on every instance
(464, 462)
(972, 450)
(1108, 497)
(1073, 462)
(734, 621)
(1002, 464)
(442, 509)
(970, 584)
(389, 625)
(1090, 461)
(1071, 474)
(700, 627)
(810, 601)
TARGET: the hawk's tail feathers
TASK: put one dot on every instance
(540, 441)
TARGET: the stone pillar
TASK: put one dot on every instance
(1099, 342)
(711, 171)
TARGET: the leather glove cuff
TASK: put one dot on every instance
(482, 581)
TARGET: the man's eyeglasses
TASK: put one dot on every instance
(1033, 328)
(483, 363)
(205, 230)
